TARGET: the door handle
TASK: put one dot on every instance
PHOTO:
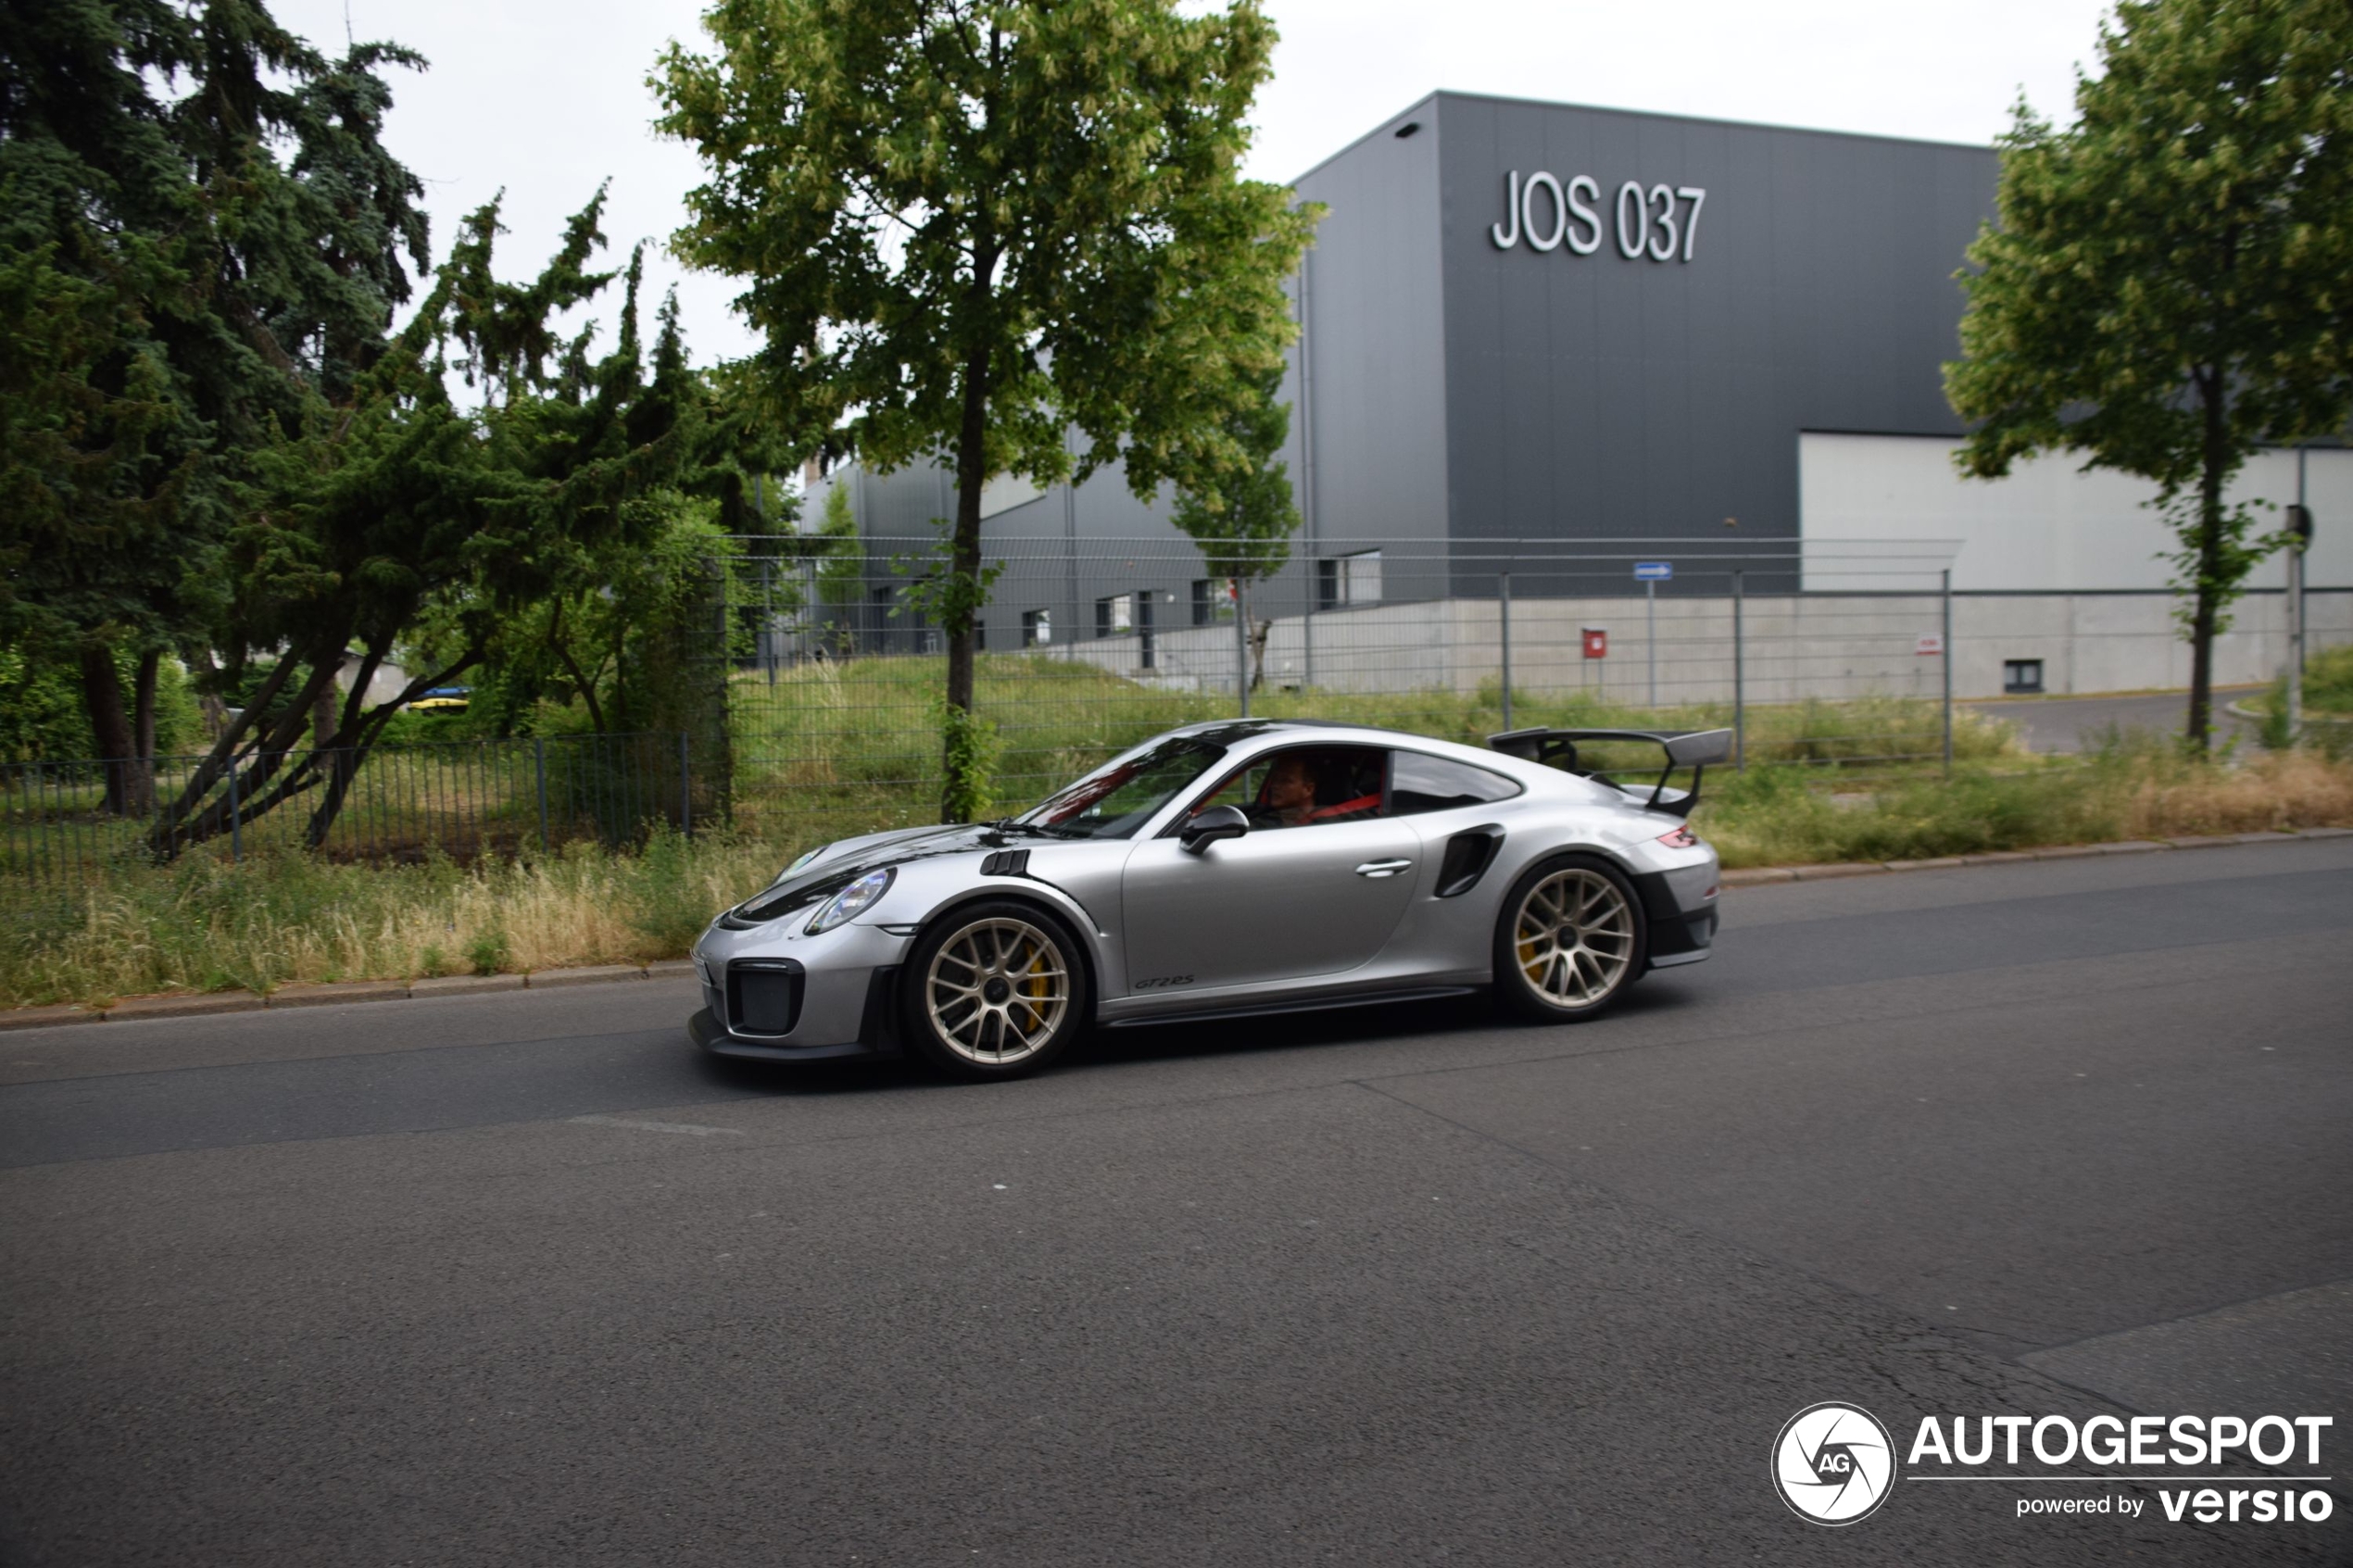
(1376, 869)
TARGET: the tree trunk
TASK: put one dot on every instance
(210, 705)
(322, 715)
(141, 783)
(2206, 607)
(109, 726)
(960, 605)
(361, 728)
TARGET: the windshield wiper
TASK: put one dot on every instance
(1014, 824)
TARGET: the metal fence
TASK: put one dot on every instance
(1833, 655)
(462, 800)
(822, 713)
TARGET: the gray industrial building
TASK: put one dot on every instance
(1528, 329)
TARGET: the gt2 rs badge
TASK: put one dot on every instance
(1164, 980)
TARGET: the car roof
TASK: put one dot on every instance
(1233, 732)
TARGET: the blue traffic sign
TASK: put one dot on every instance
(1653, 571)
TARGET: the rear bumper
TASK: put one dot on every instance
(1682, 909)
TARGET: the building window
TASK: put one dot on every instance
(1114, 615)
(1037, 628)
(1144, 626)
(1213, 600)
(2021, 676)
(1347, 579)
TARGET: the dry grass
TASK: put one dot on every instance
(2277, 791)
(205, 925)
(2141, 788)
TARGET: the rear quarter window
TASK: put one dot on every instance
(1421, 782)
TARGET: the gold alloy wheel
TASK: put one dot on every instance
(1574, 938)
(997, 991)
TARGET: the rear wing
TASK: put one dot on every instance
(1695, 749)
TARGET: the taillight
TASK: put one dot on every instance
(1681, 838)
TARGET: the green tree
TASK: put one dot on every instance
(2169, 281)
(200, 232)
(966, 228)
(405, 512)
(1245, 531)
(841, 560)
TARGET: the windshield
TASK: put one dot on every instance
(1119, 797)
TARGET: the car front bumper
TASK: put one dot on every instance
(832, 998)
(710, 1034)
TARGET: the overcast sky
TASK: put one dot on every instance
(547, 98)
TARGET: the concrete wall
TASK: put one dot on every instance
(1828, 646)
(2049, 524)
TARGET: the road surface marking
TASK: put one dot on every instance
(686, 1127)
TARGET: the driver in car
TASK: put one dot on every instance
(1288, 797)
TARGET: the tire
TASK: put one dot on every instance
(1537, 976)
(993, 989)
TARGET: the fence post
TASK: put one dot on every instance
(1947, 645)
(685, 790)
(1740, 679)
(2294, 671)
(1307, 629)
(236, 818)
(1650, 632)
(539, 767)
(768, 622)
(1241, 640)
(1503, 615)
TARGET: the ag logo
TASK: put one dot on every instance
(1833, 1464)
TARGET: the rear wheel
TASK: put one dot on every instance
(994, 989)
(1571, 938)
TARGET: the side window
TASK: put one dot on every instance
(1305, 786)
(1421, 783)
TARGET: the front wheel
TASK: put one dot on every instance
(1571, 938)
(994, 990)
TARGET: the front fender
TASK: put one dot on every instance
(1097, 948)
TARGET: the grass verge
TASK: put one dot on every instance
(205, 925)
(2138, 788)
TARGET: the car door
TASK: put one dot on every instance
(1276, 904)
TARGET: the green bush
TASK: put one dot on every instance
(490, 951)
(667, 906)
(42, 717)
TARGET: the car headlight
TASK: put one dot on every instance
(806, 856)
(852, 900)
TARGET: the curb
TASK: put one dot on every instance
(1756, 876)
(2246, 715)
(311, 994)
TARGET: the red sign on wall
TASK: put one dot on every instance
(1596, 643)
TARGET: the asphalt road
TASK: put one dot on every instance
(2082, 724)
(518, 1279)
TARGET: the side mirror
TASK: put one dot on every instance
(1218, 821)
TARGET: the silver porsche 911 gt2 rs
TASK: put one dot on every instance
(1226, 869)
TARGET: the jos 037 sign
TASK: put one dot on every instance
(1657, 221)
